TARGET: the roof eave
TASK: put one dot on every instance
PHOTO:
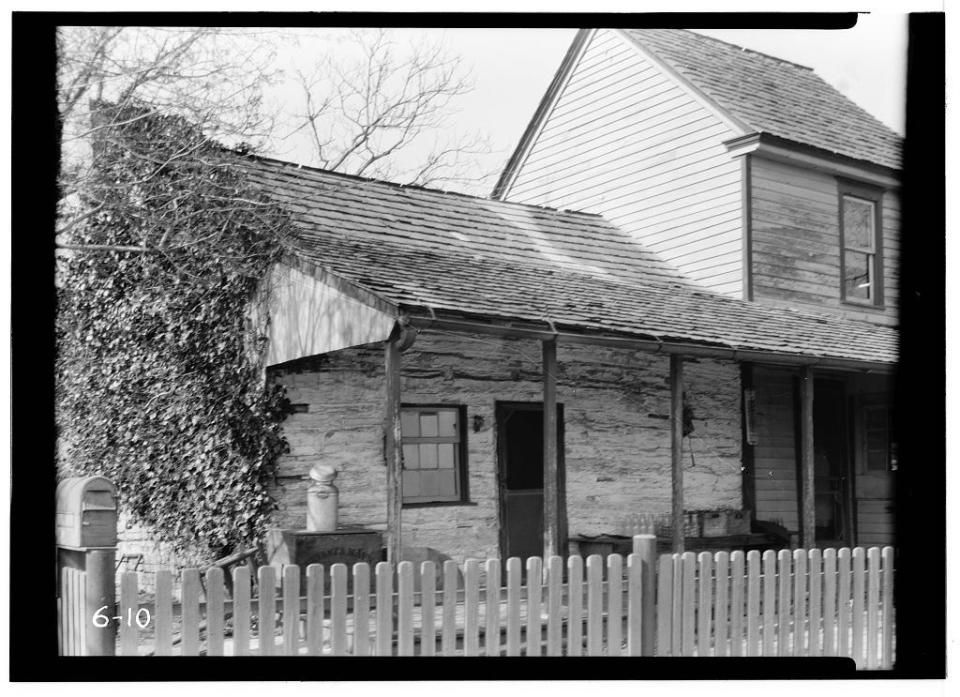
(794, 152)
(502, 327)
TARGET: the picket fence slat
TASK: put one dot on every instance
(450, 582)
(830, 620)
(404, 609)
(843, 602)
(338, 609)
(428, 602)
(471, 608)
(554, 645)
(266, 613)
(737, 597)
(857, 625)
(815, 581)
(797, 630)
(361, 609)
(214, 608)
(886, 661)
(753, 604)
(291, 609)
(676, 612)
(594, 605)
(190, 618)
(241, 611)
(315, 583)
(784, 587)
(769, 601)
(534, 579)
(722, 578)
(689, 573)
(873, 606)
(664, 608)
(384, 576)
(615, 604)
(514, 581)
(128, 606)
(705, 602)
(491, 629)
(886, 621)
(575, 606)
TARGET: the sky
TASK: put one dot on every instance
(512, 68)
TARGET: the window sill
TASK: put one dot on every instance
(863, 305)
(438, 504)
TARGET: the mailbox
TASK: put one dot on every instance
(86, 513)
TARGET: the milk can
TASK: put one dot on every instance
(322, 499)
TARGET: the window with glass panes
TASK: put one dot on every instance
(861, 253)
(433, 454)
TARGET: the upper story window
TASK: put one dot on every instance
(861, 260)
(434, 454)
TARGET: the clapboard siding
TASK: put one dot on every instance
(625, 140)
(875, 522)
(796, 240)
(774, 455)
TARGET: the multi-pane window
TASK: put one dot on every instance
(859, 221)
(433, 454)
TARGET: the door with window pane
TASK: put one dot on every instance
(520, 453)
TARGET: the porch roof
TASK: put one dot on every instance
(427, 252)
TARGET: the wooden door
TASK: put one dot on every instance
(520, 454)
(831, 465)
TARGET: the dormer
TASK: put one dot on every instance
(749, 174)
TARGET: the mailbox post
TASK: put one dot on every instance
(87, 541)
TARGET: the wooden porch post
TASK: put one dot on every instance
(808, 526)
(676, 448)
(551, 507)
(393, 450)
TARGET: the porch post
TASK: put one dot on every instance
(676, 448)
(551, 508)
(808, 526)
(393, 451)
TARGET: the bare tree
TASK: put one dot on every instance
(210, 76)
(370, 107)
(367, 112)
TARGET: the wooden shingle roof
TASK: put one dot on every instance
(774, 96)
(423, 250)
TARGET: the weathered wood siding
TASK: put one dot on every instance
(617, 435)
(774, 455)
(796, 241)
(626, 141)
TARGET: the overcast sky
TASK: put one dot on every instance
(513, 67)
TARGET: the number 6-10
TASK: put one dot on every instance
(142, 618)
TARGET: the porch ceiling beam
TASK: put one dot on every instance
(669, 347)
(808, 526)
(552, 544)
(676, 449)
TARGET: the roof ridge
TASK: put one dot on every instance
(751, 50)
(419, 187)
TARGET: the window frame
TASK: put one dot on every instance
(460, 468)
(874, 196)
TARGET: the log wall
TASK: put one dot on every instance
(617, 435)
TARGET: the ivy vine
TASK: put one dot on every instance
(159, 381)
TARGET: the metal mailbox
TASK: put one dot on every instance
(86, 513)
